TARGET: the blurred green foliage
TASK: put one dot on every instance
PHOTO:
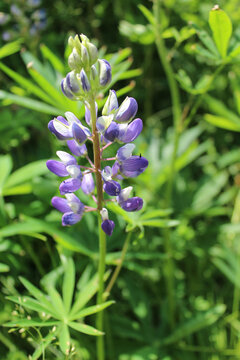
(204, 217)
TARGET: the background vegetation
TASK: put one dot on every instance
(178, 294)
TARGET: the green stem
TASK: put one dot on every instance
(102, 236)
(118, 268)
(31, 253)
(176, 108)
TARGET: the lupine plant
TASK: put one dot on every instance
(89, 75)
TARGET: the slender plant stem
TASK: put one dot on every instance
(101, 270)
(102, 236)
(118, 268)
(176, 108)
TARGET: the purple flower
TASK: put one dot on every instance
(88, 113)
(128, 133)
(84, 81)
(112, 188)
(108, 227)
(87, 183)
(111, 104)
(125, 152)
(112, 131)
(71, 207)
(132, 204)
(69, 186)
(105, 72)
(133, 166)
(57, 167)
(66, 129)
(76, 149)
(127, 110)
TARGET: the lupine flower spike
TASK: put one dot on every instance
(89, 75)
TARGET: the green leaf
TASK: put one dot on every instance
(55, 61)
(160, 223)
(147, 13)
(222, 122)
(30, 103)
(6, 167)
(26, 173)
(64, 339)
(86, 329)
(155, 213)
(197, 323)
(10, 48)
(25, 83)
(4, 268)
(221, 27)
(30, 303)
(68, 284)
(86, 293)
(91, 310)
(31, 323)
(38, 294)
(57, 302)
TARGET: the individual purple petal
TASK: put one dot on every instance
(116, 171)
(84, 81)
(111, 103)
(70, 218)
(69, 186)
(127, 110)
(105, 72)
(78, 133)
(76, 149)
(60, 128)
(131, 132)
(65, 89)
(112, 188)
(57, 167)
(60, 204)
(72, 82)
(132, 204)
(88, 113)
(112, 131)
(87, 183)
(66, 158)
(125, 152)
(108, 226)
(133, 166)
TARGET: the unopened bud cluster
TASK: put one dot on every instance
(117, 123)
(88, 73)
